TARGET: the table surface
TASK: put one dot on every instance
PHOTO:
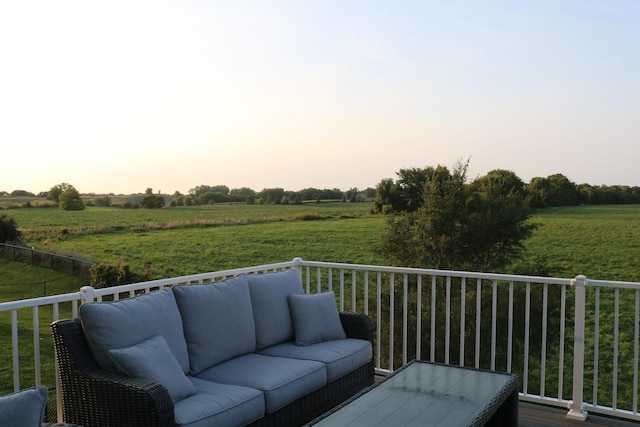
(425, 394)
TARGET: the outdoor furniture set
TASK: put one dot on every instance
(254, 350)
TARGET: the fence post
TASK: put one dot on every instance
(576, 411)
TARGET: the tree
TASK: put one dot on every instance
(57, 190)
(459, 226)
(67, 197)
(243, 194)
(386, 199)
(103, 201)
(22, 193)
(152, 201)
(403, 195)
(271, 195)
(554, 190)
(497, 220)
(8, 229)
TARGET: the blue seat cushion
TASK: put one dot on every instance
(282, 380)
(124, 323)
(340, 356)
(217, 404)
(271, 312)
(218, 321)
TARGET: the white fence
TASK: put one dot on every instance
(573, 342)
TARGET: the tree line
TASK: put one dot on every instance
(207, 194)
(554, 190)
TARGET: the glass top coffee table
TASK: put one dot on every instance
(430, 394)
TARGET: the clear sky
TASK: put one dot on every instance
(118, 96)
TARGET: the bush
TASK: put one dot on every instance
(104, 276)
(8, 229)
(308, 216)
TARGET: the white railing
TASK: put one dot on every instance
(569, 340)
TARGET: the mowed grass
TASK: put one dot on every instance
(22, 281)
(39, 220)
(191, 240)
(601, 242)
(191, 250)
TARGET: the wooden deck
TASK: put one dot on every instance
(531, 415)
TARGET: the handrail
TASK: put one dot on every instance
(544, 328)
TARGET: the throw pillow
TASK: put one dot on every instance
(316, 318)
(152, 360)
(127, 322)
(23, 408)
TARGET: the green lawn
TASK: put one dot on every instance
(602, 242)
(22, 281)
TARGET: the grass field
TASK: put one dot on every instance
(602, 242)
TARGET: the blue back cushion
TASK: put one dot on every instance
(269, 293)
(218, 321)
(111, 325)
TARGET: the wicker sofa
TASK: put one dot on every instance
(250, 350)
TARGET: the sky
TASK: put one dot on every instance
(120, 96)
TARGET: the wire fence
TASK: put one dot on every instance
(66, 264)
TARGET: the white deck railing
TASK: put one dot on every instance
(573, 342)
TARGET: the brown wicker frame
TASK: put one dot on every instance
(92, 396)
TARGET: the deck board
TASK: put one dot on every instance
(532, 415)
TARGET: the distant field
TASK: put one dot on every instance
(19, 201)
(190, 240)
(602, 242)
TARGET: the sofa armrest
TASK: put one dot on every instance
(357, 325)
(93, 396)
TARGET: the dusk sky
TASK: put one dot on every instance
(118, 96)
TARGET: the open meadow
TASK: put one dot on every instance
(602, 242)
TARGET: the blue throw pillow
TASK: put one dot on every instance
(23, 408)
(316, 318)
(127, 322)
(152, 360)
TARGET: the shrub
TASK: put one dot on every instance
(8, 229)
(308, 216)
(103, 275)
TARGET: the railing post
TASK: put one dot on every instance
(576, 411)
(87, 294)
